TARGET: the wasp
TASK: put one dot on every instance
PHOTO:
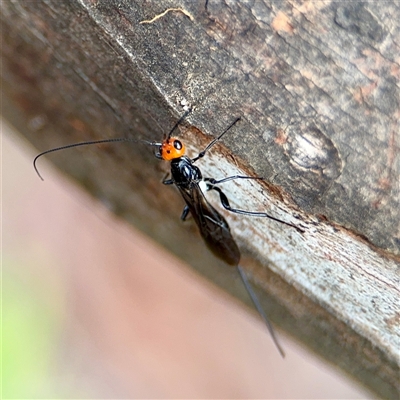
(189, 180)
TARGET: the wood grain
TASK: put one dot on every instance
(316, 85)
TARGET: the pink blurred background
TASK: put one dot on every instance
(101, 311)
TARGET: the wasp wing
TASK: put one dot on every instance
(212, 225)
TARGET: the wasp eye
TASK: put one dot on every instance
(177, 144)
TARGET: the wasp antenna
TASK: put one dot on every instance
(260, 310)
(88, 143)
(179, 122)
(211, 144)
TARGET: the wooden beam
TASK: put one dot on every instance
(316, 85)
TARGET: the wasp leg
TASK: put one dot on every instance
(166, 181)
(225, 203)
(260, 310)
(185, 213)
(231, 178)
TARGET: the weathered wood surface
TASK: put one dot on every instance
(316, 85)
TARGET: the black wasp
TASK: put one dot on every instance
(187, 177)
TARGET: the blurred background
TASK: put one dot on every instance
(93, 309)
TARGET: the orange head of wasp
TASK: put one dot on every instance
(171, 148)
